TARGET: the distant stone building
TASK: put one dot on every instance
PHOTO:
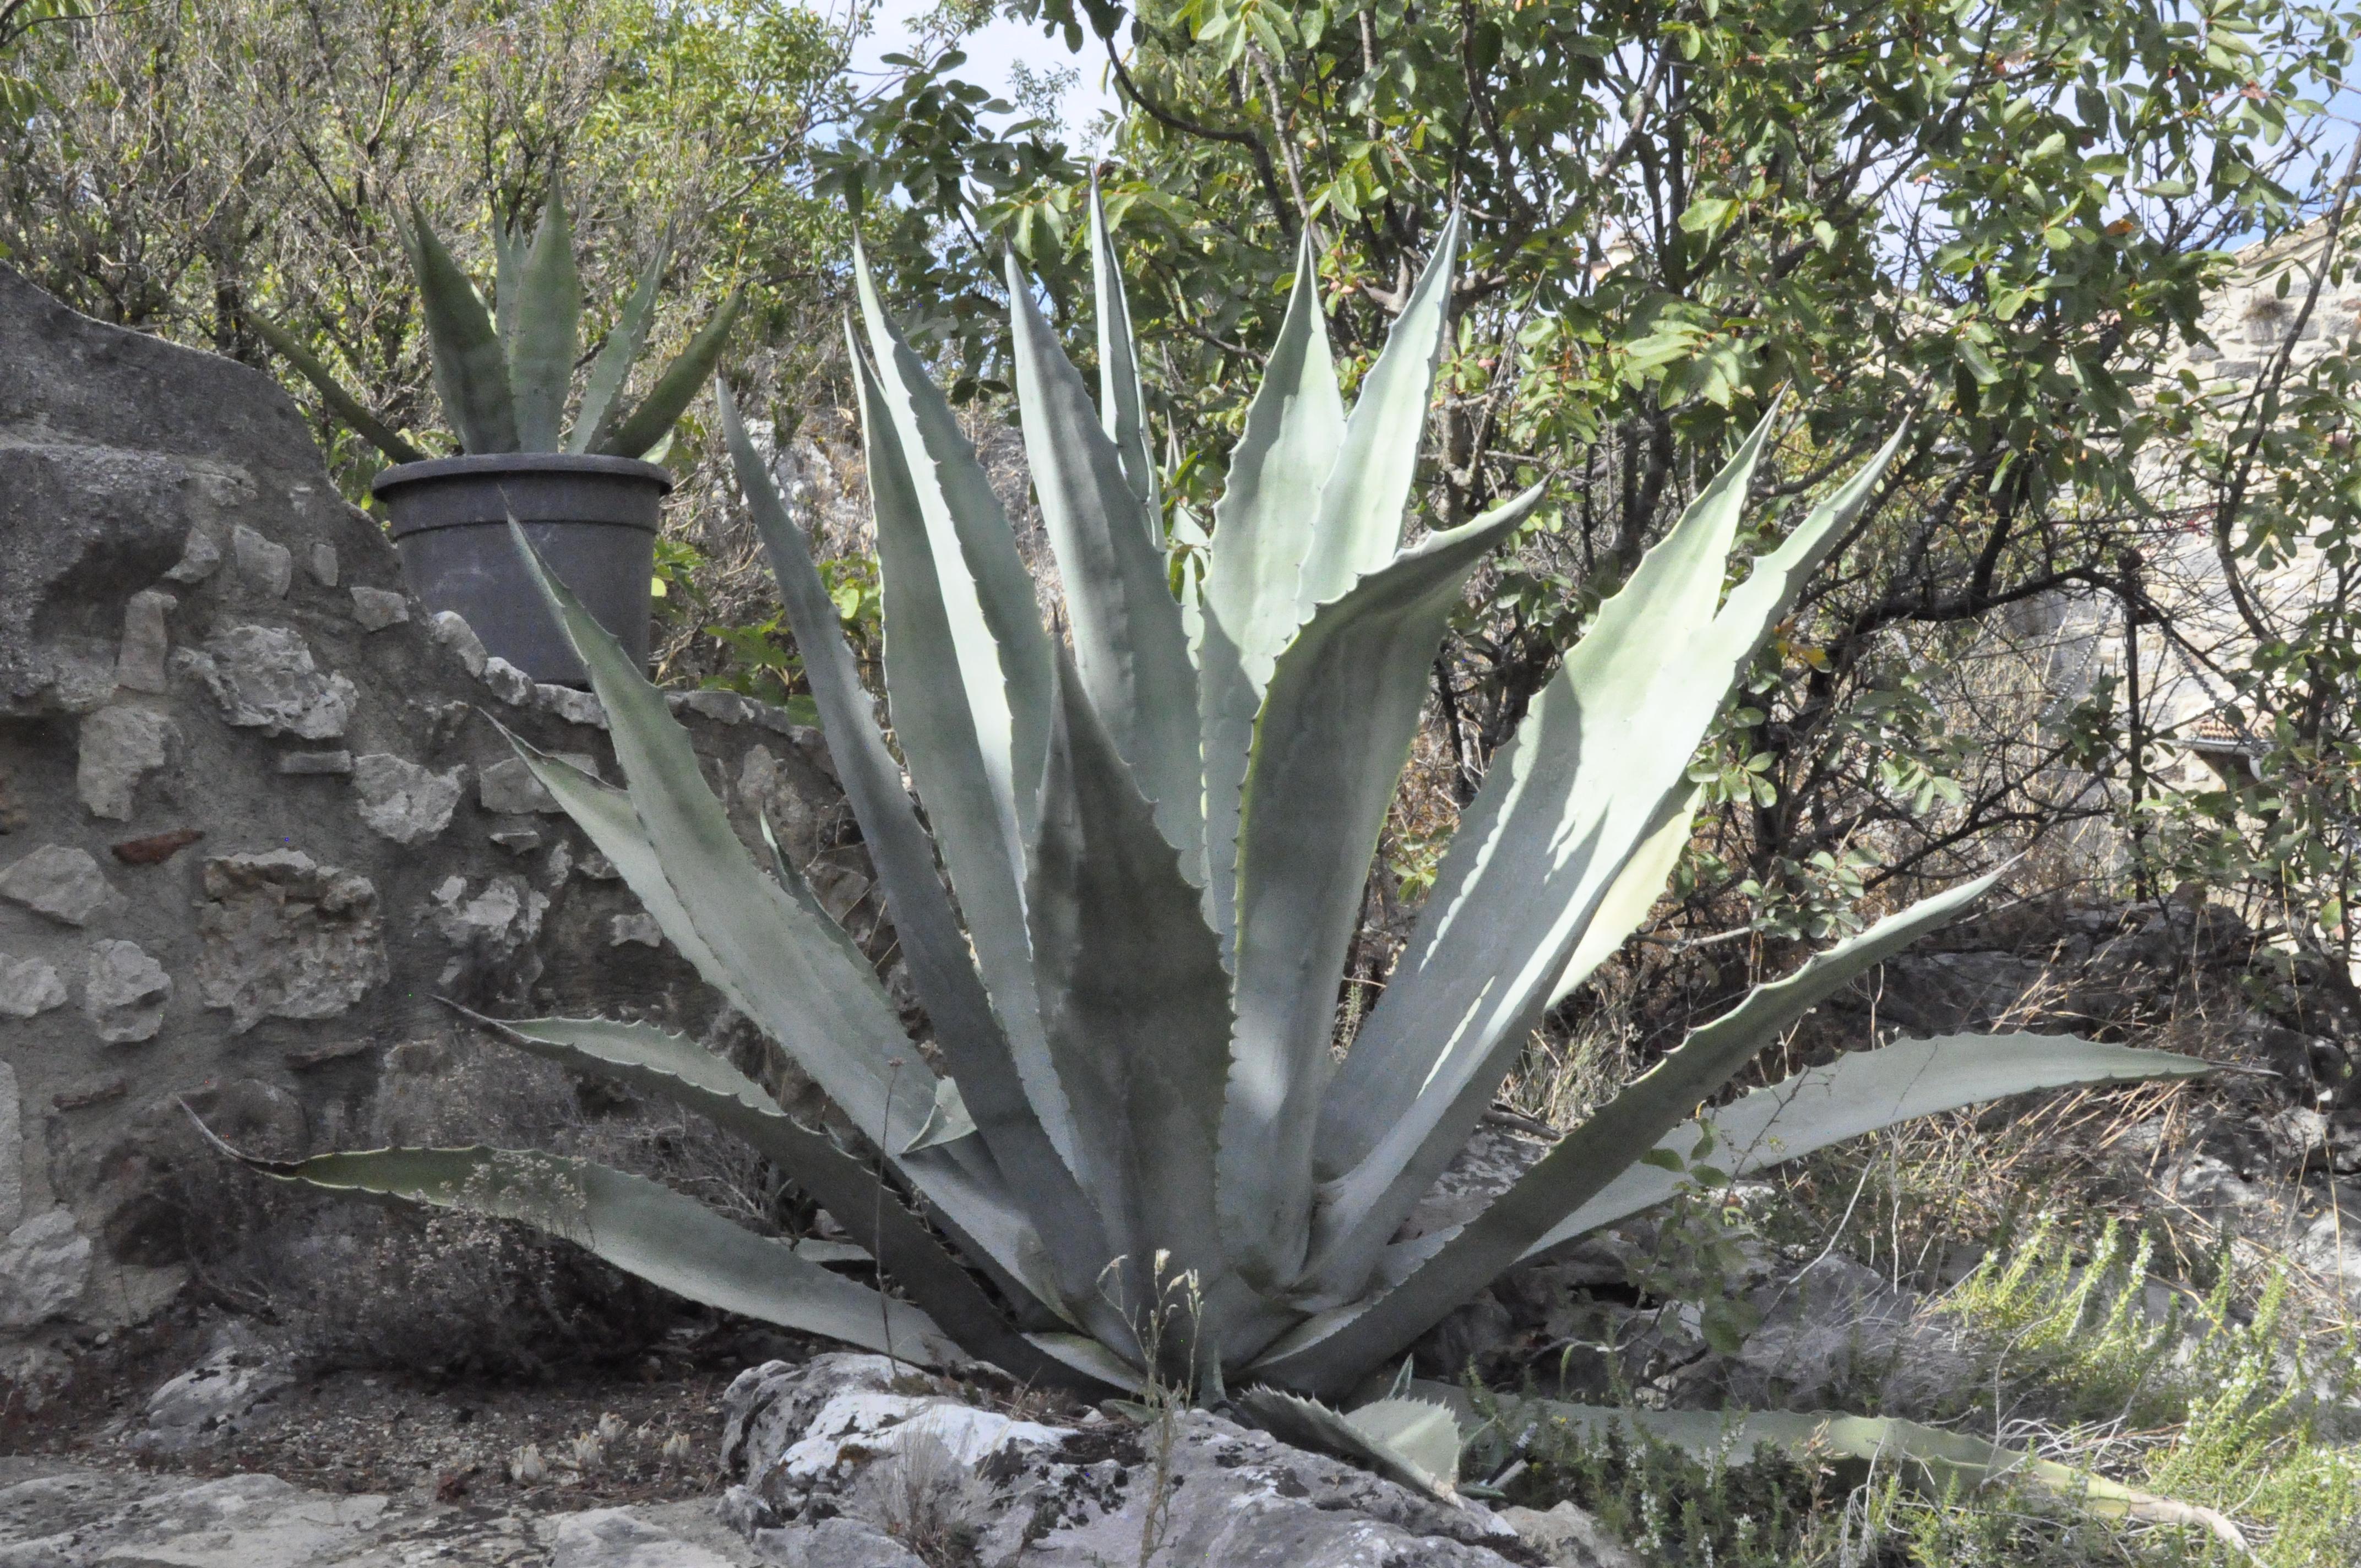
(2080, 635)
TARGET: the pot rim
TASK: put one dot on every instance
(400, 475)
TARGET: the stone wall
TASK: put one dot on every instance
(257, 814)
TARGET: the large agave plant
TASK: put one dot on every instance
(1133, 1148)
(505, 374)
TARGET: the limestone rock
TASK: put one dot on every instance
(201, 557)
(782, 791)
(517, 838)
(1837, 1330)
(62, 883)
(2331, 1247)
(54, 1514)
(1569, 1538)
(139, 661)
(641, 928)
(81, 676)
(265, 565)
(44, 1265)
(405, 802)
(12, 1152)
(124, 992)
(835, 1544)
(264, 678)
(509, 684)
(208, 1402)
(571, 704)
(29, 987)
(301, 764)
(493, 923)
(723, 707)
(117, 748)
(1493, 1160)
(834, 1440)
(451, 631)
(376, 609)
(238, 1521)
(284, 936)
(129, 464)
(622, 1538)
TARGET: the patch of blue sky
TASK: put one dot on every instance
(1010, 57)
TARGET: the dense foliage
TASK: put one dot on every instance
(2005, 215)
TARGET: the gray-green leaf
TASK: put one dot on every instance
(596, 417)
(548, 329)
(1262, 534)
(341, 401)
(1329, 744)
(1122, 406)
(639, 1226)
(1362, 499)
(1133, 1003)
(649, 424)
(1129, 645)
(471, 374)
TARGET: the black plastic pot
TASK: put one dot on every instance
(593, 519)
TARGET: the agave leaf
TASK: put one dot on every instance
(649, 425)
(332, 392)
(1614, 1137)
(641, 1227)
(1857, 1093)
(1133, 1001)
(1546, 839)
(974, 1048)
(1122, 403)
(972, 1155)
(1632, 895)
(830, 1016)
(1003, 655)
(1936, 1461)
(606, 816)
(1000, 1237)
(948, 1123)
(596, 417)
(1188, 534)
(1262, 532)
(1424, 1433)
(1538, 827)
(1756, 605)
(1411, 1443)
(471, 374)
(653, 1060)
(1861, 1092)
(1335, 730)
(1359, 526)
(508, 260)
(1129, 645)
(548, 328)
(1091, 1358)
(935, 724)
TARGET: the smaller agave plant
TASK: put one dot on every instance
(505, 373)
(1131, 1156)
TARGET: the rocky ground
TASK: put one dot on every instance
(826, 1461)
